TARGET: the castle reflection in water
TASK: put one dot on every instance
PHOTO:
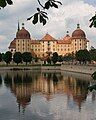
(26, 83)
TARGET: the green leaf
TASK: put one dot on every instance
(44, 21)
(3, 3)
(56, 6)
(9, 2)
(47, 5)
(95, 23)
(91, 25)
(59, 2)
(41, 18)
(44, 15)
(35, 20)
(44, 12)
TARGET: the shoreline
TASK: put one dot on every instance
(84, 69)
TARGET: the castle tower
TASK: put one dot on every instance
(23, 40)
(79, 40)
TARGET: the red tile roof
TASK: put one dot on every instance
(13, 44)
(66, 40)
(48, 37)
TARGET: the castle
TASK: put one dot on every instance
(48, 44)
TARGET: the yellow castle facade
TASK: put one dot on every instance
(48, 44)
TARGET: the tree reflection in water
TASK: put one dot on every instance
(24, 84)
(0, 80)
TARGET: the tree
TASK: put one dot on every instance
(49, 60)
(7, 57)
(93, 53)
(0, 57)
(17, 57)
(83, 56)
(41, 15)
(60, 58)
(55, 57)
(27, 57)
(69, 57)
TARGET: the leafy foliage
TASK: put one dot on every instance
(51, 3)
(49, 60)
(69, 57)
(83, 56)
(60, 58)
(93, 53)
(93, 87)
(94, 75)
(55, 57)
(93, 21)
(27, 57)
(3, 3)
(41, 15)
(0, 57)
(17, 57)
(7, 57)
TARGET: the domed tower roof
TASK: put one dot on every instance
(12, 44)
(23, 33)
(78, 33)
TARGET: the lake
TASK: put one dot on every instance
(46, 95)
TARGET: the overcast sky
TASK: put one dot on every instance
(60, 20)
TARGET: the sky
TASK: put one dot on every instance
(60, 20)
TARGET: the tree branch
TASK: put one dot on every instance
(40, 4)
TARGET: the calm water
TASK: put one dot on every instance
(36, 95)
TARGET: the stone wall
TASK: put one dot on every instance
(87, 69)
